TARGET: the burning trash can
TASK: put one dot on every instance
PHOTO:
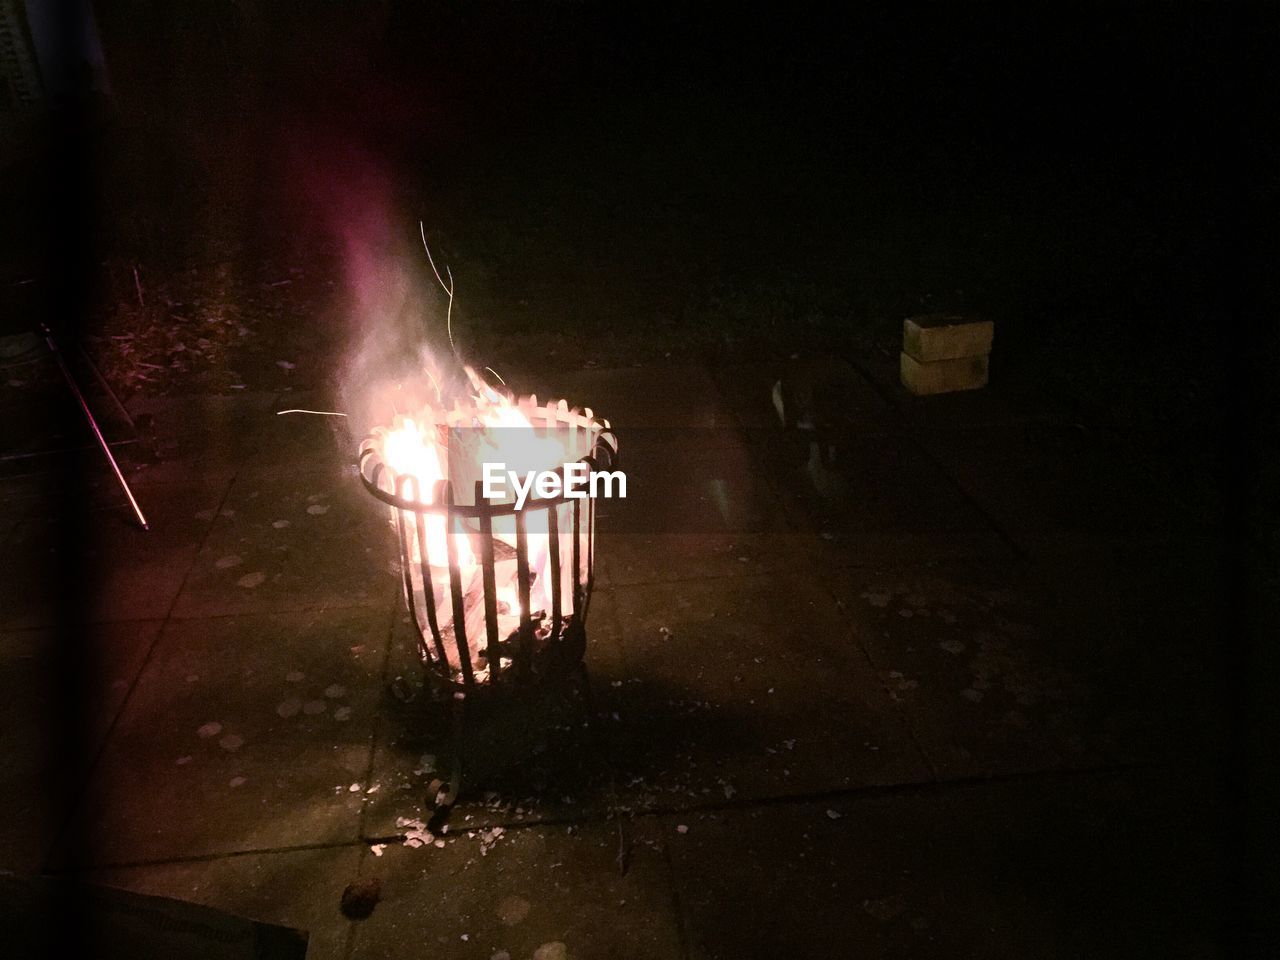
(497, 578)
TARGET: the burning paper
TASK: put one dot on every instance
(440, 451)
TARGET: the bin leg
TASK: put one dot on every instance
(442, 795)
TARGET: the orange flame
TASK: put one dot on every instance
(417, 447)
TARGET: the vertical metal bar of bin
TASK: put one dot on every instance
(522, 586)
(455, 589)
(553, 547)
(429, 587)
(490, 582)
(406, 563)
(577, 561)
(591, 546)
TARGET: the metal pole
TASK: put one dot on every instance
(93, 368)
(102, 441)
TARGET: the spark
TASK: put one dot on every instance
(435, 383)
(318, 413)
(447, 288)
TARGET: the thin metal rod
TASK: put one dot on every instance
(455, 590)
(429, 591)
(591, 543)
(490, 587)
(553, 566)
(525, 661)
(406, 571)
(577, 558)
(102, 441)
(107, 387)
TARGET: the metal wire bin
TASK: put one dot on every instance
(498, 595)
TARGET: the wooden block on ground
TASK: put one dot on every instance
(943, 336)
(943, 376)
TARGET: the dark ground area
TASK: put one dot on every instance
(1045, 610)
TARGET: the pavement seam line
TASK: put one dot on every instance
(865, 792)
(922, 788)
(682, 935)
(912, 435)
(374, 739)
(897, 708)
(92, 768)
(353, 928)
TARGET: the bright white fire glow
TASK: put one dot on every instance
(425, 448)
(412, 449)
(407, 451)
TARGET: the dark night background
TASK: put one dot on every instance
(700, 181)
(621, 182)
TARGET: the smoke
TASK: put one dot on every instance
(397, 357)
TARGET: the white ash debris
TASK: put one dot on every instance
(487, 837)
(416, 833)
(517, 808)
